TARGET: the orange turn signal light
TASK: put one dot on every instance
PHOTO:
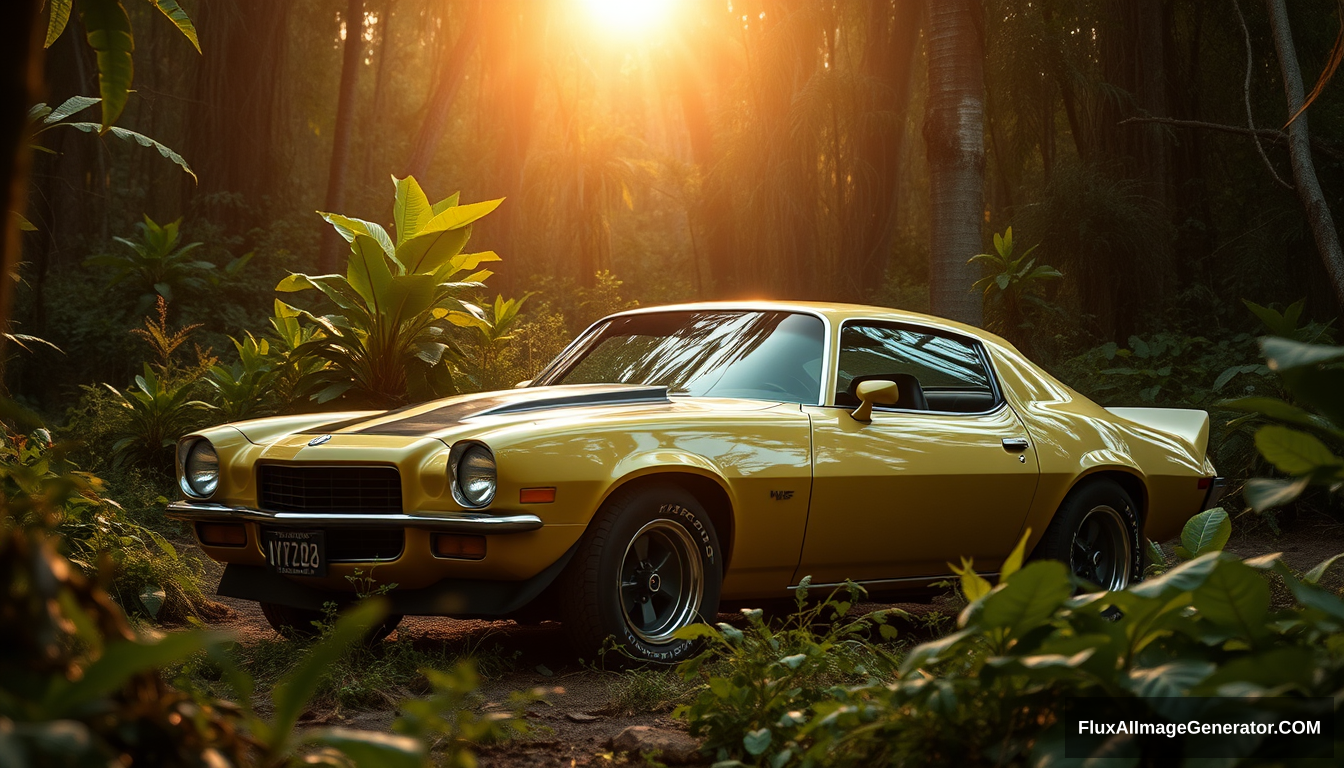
(459, 546)
(221, 534)
(536, 496)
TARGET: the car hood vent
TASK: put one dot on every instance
(419, 420)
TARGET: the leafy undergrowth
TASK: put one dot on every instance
(993, 692)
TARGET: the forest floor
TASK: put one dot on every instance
(585, 707)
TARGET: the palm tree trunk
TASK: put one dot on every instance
(332, 246)
(20, 84)
(955, 143)
(1299, 152)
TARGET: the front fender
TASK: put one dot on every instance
(667, 462)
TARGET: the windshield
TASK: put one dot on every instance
(704, 353)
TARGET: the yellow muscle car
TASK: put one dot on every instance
(675, 457)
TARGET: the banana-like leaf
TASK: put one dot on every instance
(429, 251)
(369, 274)
(108, 30)
(408, 296)
(411, 211)
(69, 107)
(179, 17)
(446, 203)
(139, 138)
(349, 227)
(58, 20)
(461, 215)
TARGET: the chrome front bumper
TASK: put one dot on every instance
(445, 522)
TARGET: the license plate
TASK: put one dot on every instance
(295, 553)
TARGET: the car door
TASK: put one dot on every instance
(949, 471)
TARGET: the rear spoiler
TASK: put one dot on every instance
(1187, 424)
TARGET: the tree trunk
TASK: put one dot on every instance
(452, 70)
(1299, 152)
(329, 258)
(955, 144)
(20, 84)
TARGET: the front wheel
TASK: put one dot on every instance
(1096, 533)
(648, 565)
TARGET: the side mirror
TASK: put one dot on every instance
(875, 392)
(523, 383)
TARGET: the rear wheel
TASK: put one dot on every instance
(299, 623)
(648, 565)
(1096, 533)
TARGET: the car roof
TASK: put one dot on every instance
(835, 312)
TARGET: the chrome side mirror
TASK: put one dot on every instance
(875, 392)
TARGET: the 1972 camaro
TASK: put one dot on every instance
(674, 457)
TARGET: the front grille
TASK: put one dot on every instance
(345, 545)
(286, 488)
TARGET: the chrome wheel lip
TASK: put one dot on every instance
(1105, 559)
(686, 581)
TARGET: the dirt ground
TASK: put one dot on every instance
(576, 713)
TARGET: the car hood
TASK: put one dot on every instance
(441, 418)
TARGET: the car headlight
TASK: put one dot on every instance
(474, 476)
(200, 468)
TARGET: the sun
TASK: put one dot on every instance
(627, 17)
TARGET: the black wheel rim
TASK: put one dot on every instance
(1101, 549)
(662, 581)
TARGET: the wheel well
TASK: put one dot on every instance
(708, 493)
(1132, 484)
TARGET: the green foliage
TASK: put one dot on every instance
(243, 389)
(487, 360)
(448, 718)
(992, 692)
(108, 30)
(1204, 533)
(1308, 442)
(756, 678)
(59, 118)
(387, 335)
(155, 265)
(1014, 284)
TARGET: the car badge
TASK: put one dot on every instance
(320, 439)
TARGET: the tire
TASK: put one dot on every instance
(297, 623)
(1096, 534)
(613, 588)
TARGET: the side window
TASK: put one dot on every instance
(933, 372)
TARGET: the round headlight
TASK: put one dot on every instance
(474, 476)
(200, 469)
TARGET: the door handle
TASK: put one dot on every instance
(1015, 444)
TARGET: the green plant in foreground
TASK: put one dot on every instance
(992, 693)
(1013, 282)
(1305, 444)
(1204, 533)
(386, 336)
(243, 389)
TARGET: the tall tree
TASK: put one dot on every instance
(20, 84)
(329, 257)
(1299, 152)
(452, 71)
(955, 144)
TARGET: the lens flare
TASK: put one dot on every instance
(627, 17)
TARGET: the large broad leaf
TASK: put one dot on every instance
(179, 17)
(1263, 493)
(1027, 598)
(1183, 578)
(1292, 451)
(461, 215)
(408, 296)
(1206, 532)
(428, 251)
(1172, 679)
(56, 23)
(370, 749)
(369, 274)
(141, 139)
(349, 227)
(1286, 354)
(108, 29)
(292, 693)
(1235, 596)
(1275, 408)
(411, 211)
